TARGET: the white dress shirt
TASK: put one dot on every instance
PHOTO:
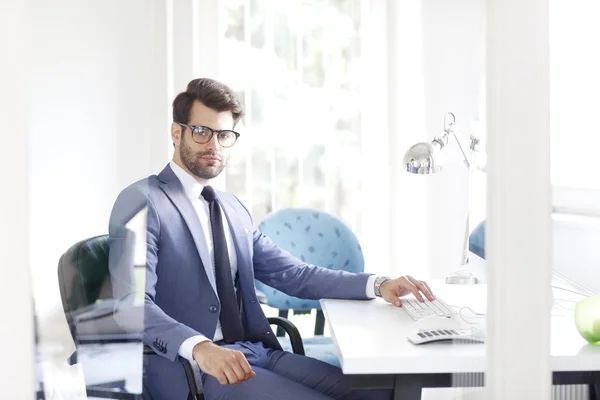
(193, 190)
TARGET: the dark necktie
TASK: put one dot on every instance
(230, 312)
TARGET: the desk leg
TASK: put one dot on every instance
(407, 387)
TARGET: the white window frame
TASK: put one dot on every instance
(17, 372)
(519, 202)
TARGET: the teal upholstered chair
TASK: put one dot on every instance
(477, 240)
(317, 238)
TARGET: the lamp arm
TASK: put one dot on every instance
(461, 149)
(449, 123)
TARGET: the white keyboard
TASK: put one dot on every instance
(418, 310)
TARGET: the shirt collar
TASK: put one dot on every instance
(190, 185)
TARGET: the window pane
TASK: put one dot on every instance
(303, 119)
(575, 93)
(257, 23)
(235, 25)
(287, 176)
(261, 184)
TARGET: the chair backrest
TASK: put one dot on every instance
(83, 274)
(84, 278)
(315, 237)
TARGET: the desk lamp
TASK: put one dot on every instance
(422, 159)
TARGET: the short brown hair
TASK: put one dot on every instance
(212, 94)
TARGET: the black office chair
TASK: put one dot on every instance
(86, 293)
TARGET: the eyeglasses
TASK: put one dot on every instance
(204, 134)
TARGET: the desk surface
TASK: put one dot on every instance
(371, 338)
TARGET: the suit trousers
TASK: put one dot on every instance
(281, 374)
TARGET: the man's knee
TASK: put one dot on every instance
(322, 377)
(266, 385)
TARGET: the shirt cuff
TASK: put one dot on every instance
(187, 347)
(371, 287)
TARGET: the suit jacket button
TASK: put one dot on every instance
(212, 308)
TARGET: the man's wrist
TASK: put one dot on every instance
(187, 348)
(199, 348)
(199, 345)
(377, 284)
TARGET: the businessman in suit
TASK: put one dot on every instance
(203, 254)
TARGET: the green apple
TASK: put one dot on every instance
(587, 319)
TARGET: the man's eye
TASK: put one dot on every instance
(201, 131)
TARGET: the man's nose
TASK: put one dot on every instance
(213, 143)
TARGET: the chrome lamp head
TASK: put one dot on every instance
(423, 158)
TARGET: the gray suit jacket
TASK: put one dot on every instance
(179, 300)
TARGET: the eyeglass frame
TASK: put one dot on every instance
(212, 133)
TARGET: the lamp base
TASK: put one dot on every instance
(464, 274)
(461, 278)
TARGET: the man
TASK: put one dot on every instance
(203, 255)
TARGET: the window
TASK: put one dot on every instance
(574, 102)
(296, 65)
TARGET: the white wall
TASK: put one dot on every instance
(453, 64)
(434, 62)
(98, 120)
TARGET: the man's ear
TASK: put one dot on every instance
(176, 132)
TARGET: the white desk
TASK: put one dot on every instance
(371, 341)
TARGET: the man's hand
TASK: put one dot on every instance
(392, 289)
(228, 366)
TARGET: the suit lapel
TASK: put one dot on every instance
(240, 238)
(174, 190)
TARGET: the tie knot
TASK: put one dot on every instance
(208, 193)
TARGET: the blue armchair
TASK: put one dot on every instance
(317, 238)
(477, 240)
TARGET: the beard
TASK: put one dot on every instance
(195, 164)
